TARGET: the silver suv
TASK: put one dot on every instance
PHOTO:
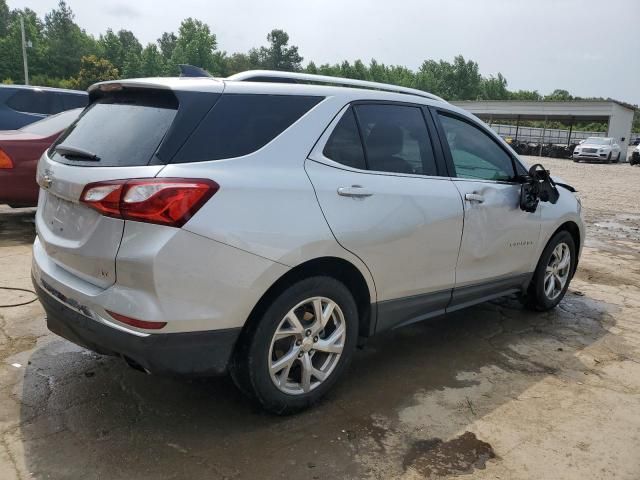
(266, 223)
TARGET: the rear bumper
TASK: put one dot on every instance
(204, 353)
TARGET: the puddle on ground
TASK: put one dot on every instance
(16, 227)
(461, 455)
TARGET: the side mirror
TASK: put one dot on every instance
(538, 186)
(529, 198)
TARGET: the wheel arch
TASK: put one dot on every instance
(334, 267)
(574, 230)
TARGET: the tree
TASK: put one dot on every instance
(66, 43)
(11, 65)
(167, 43)
(152, 63)
(495, 88)
(195, 46)
(559, 95)
(123, 50)
(92, 70)
(525, 95)
(4, 17)
(278, 55)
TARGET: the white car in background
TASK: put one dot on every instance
(634, 159)
(603, 149)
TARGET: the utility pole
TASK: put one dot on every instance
(24, 52)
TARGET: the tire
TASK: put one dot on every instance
(255, 361)
(576, 160)
(537, 297)
(609, 158)
(617, 158)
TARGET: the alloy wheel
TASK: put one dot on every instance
(557, 271)
(307, 345)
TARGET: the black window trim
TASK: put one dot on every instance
(436, 111)
(441, 169)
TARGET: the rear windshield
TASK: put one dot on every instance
(45, 102)
(123, 129)
(53, 124)
(240, 124)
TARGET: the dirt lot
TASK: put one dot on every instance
(493, 392)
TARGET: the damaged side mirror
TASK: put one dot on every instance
(537, 186)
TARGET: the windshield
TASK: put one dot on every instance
(598, 141)
(53, 124)
(123, 129)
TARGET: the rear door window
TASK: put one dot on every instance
(396, 139)
(53, 124)
(240, 124)
(344, 145)
(123, 129)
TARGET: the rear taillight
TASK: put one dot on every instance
(164, 201)
(5, 160)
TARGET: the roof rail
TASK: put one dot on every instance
(293, 77)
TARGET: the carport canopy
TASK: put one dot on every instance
(618, 115)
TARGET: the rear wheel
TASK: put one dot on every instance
(301, 346)
(553, 273)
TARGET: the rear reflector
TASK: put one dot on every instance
(5, 160)
(137, 323)
(163, 201)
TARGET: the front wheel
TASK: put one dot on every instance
(554, 272)
(609, 158)
(300, 347)
(617, 158)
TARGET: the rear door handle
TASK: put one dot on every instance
(473, 197)
(354, 191)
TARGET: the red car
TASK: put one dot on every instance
(20, 151)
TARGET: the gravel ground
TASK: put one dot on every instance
(492, 392)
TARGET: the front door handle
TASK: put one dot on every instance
(354, 191)
(473, 197)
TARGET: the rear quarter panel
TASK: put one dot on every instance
(266, 204)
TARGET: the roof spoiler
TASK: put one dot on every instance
(192, 71)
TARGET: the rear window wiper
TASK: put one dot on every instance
(69, 151)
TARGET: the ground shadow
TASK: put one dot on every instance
(87, 416)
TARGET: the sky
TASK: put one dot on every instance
(588, 47)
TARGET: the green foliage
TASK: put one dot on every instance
(64, 55)
(4, 17)
(525, 95)
(278, 55)
(122, 49)
(92, 70)
(195, 45)
(494, 88)
(11, 65)
(65, 42)
(559, 95)
(167, 43)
